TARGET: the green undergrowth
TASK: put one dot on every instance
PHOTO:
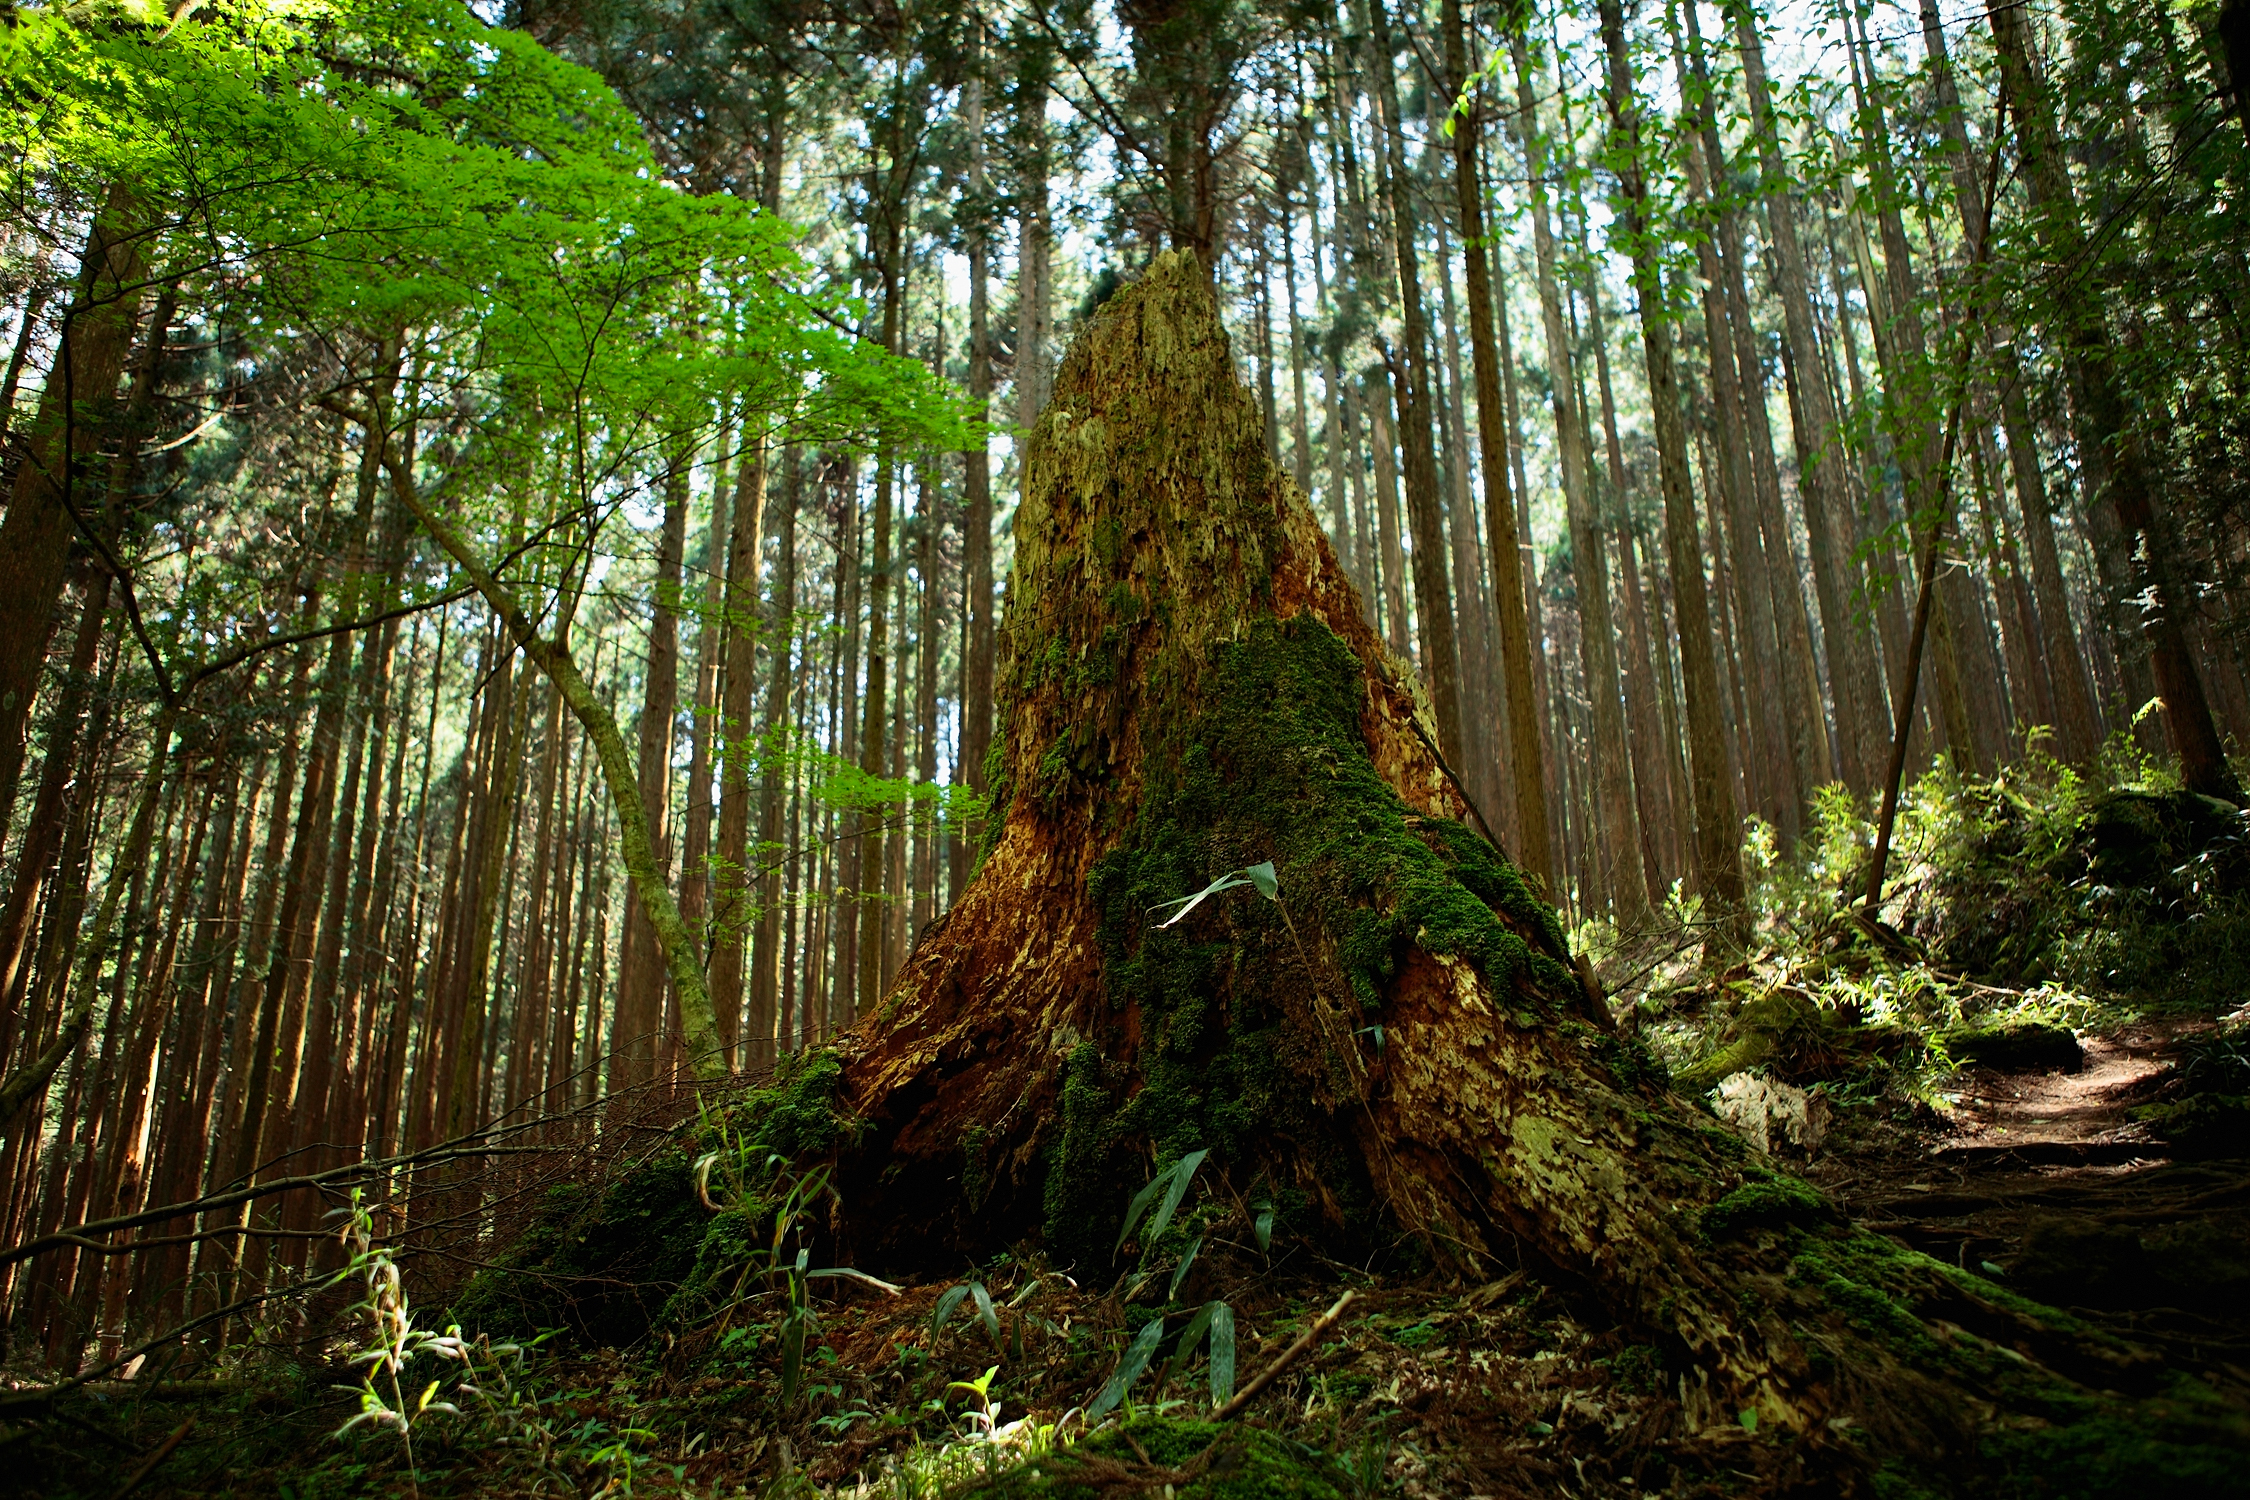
(609, 1261)
(2022, 909)
(2107, 880)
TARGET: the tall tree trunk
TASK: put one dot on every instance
(2120, 474)
(699, 878)
(926, 651)
(1823, 486)
(67, 428)
(1781, 794)
(1377, 395)
(1525, 763)
(41, 843)
(976, 482)
(1619, 874)
(781, 614)
(641, 983)
(1472, 601)
(2068, 684)
(1718, 830)
(1409, 371)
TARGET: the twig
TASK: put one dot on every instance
(1289, 1356)
(148, 1465)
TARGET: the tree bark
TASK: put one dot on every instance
(2118, 469)
(1409, 370)
(730, 894)
(1859, 710)
(641, 989)
(976, 488)
(781, 617)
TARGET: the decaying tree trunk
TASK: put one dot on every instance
(1187, 685)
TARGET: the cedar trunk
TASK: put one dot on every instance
(1187, 686)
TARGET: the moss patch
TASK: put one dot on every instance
(642, 1252)
(1220, 1463)
(601, 1265)
(1765, 1203)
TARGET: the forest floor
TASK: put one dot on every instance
(2089, 1150)
(2033, 1171)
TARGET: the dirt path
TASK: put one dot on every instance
(2042, 1179)
(2064, 1118)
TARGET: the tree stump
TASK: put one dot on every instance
(1395, 1049)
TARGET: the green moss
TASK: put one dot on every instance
(644, 1251)
(1230, 1463)
(2202, 1125)
(795, 1116)
(603, 1265)
(1768, 1202)
(976, 1175)
(1860, 1277)
(2186, 1444)
(1086, 1162)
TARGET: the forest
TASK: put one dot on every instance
(1100, 748)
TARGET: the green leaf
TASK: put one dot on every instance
(1261, 1228)
(1182, 1174)
(1266, 880)
(1190, 1338)
(1179, 1273)
(1134, 1209)
(948, 1301)
(1128, 1369)
(1222, 1354)
(1749, 1419)
(1186, 904)
(986, 1312)
(792, 1357)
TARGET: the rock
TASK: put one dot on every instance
(2018, 1049)
(2202, 1126)
(1761, 1109)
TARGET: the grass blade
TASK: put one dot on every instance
(1226, 882)
(985, 1311)
(1181, 1176)
(948, 1301)
(1128, 1369)
(1190, 1338)
(792, 1357)
(1180, 1274)
(1134, 1209)
(1222, 1354)
(1266, 880)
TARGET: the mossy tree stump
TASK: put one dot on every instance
(1397, 1046)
